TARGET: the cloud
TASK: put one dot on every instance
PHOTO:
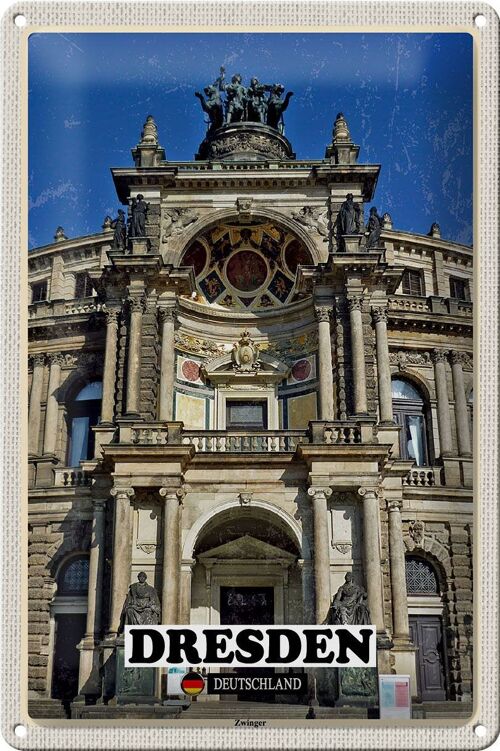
(72, 123)
(66, 189)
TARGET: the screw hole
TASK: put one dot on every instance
(20, 21)
(480, 731)
(21, 731)
(480, 21)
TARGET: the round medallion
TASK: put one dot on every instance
(190, 370)
(195, 256)
(246, 271)
(301, 370)
(295, 255)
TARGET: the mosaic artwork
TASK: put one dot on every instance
(231, 262)
(246, 271)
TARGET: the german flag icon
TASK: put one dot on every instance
(193, 683)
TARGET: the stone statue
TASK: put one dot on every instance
(139, 209)
(349, 217)
(349, 606)
(236, 95)
(256, 101)
(276, 105)
(175, 221)
(213, 106)
(315, 218)
(374, 228)
(142, 606)
(119, 228)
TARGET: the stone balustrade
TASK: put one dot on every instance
(215, 441)
(423, 477)
(71, 477)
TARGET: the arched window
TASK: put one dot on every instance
(421, 578)
(410, 412)
(83, 413)
(73, 578)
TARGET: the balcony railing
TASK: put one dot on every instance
(423, 477)
(71, 477)
(219, 441)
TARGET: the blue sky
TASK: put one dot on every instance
(407, 99)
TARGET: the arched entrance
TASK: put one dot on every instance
(247, 568)
(426, 627)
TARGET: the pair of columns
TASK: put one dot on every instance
(167, 322)
(372, 559)
(122, 554)
(440, 359)
(327, 409)
(50, 434)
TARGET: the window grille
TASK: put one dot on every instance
(74, 579)
(420, 578)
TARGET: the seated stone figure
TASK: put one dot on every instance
(349, 606)
(142, 606)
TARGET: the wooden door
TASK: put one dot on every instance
(427, 634)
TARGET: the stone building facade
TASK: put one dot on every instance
(245, 405)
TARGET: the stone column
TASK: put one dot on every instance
(400, 623)
(327, 411)
(321, 551)
(122, 554)
(443, 404)
(134, 356)
(166, 400)
(383, 366)
(96, 571)
(371, 543)
(461, 412)
(109, 375)
(171, 555)
(358, 356)
(52, 411)
(35, 402)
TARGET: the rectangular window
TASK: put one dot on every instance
(38, 292)
(246, 415)
(413, 283)
(459, 288)
(83, 286)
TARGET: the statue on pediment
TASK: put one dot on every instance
(349, 606)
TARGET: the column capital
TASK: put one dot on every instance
(167, 313)
(112, 315)
(36, 359)
(322, 313)
(457, 358)
(439, 355)
(122, 492)
(380, 315)
(137, 303)
(99, 504)
(394, 504)
(319, 492)
(173, 493)
(354, 303)
(368, 492)
(56, 358)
